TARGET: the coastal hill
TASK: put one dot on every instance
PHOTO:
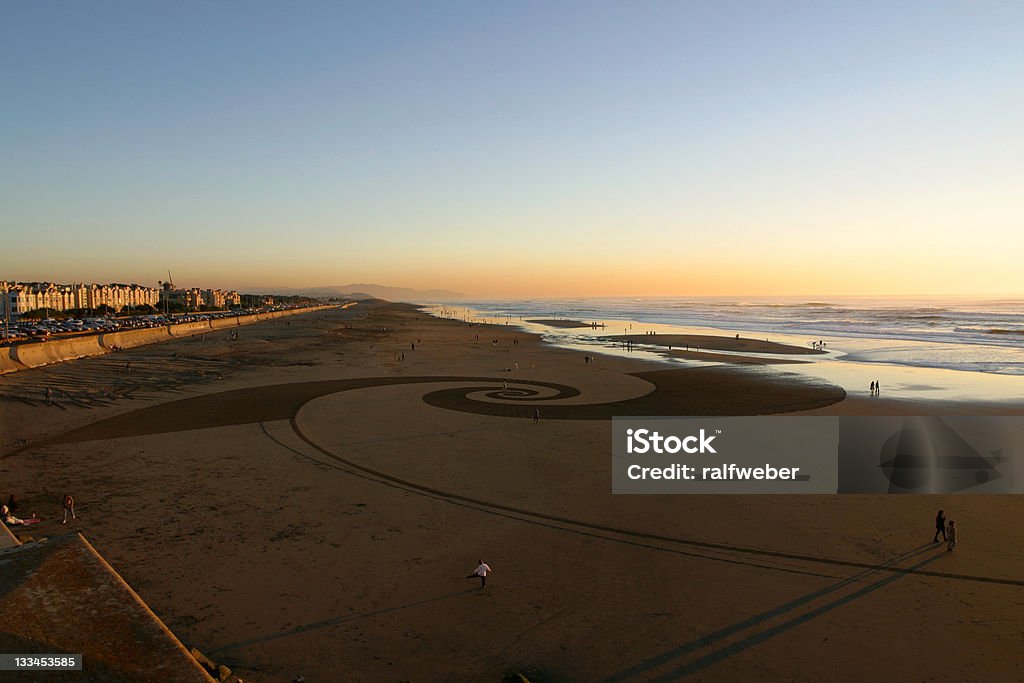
(370, 291)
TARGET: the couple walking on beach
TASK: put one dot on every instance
(949, 532)
(876, 388)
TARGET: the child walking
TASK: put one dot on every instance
(481, 573)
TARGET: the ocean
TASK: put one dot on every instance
(964, 334)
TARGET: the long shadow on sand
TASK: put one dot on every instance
(646, 667)
(334, 621)
(617, 534)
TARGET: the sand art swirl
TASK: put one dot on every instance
(676, 392)
(687, 392)
(690, 392)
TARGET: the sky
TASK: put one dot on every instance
(526, 149)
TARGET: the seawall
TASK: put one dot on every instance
(35, 354)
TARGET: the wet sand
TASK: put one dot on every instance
(739, 359)
(305, 501)
(568, 324)
(692, 342)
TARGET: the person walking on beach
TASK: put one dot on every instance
(48, 393)
(69, 506)
(872, 387)
(536, 415)
(940, 527)
(878, 388)
(481, 573)
(951, 532)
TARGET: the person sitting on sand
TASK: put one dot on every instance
(951, 533)
(11, 520)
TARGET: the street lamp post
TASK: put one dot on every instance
(7, 312)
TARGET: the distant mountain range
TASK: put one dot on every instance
(364, 290)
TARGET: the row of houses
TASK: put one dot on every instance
(17, 298)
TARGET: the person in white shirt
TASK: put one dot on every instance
(481, 573)
(951, 534)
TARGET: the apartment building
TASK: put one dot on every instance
(17, 298)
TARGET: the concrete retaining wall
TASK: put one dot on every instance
(43, 353)
(221, 323)
(34, 354)
(7, 362)
(130, 338)
(188, 329)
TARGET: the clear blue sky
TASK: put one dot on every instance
(517, 148)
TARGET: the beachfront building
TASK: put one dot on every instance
(119, 296)
(194, 299)
(18, 298)
(21, 297)
(217, 298)
(189, 299)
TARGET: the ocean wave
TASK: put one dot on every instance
(761, 304)
(990, 330)
(988, 367)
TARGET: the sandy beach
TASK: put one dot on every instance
(309, 499)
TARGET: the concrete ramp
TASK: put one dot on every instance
(60, 596)
(7, 538)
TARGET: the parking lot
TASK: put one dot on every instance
(40, 330)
